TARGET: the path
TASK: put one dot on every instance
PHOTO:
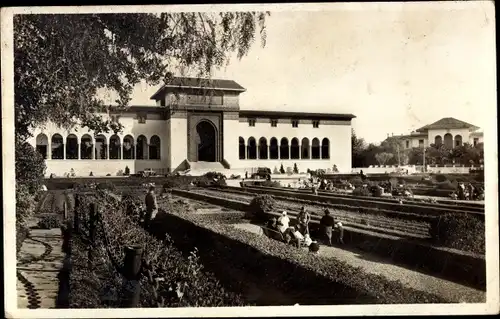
(39, 263)
(376, 265)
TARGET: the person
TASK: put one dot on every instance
(151, 206)
(283, 222)
(272, 224)
(327, 224)
(461, 191)
(471, 191)
(304, 218)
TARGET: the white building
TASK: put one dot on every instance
(448, 131)
(198, 125)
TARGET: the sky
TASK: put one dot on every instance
(395, 66)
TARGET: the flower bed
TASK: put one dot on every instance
(460, 266)
(330, 281)
(346, 216)
(169, 279)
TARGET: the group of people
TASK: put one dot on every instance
(300, 232)
(468, 192)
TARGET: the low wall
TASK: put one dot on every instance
(463, 267)
(83, 167)
(387, 169)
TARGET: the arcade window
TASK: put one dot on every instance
(407, 144)
(274, 123)
(315, 124)
(251, 122)
(295, 123)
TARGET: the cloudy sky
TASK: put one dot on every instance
(396, 67)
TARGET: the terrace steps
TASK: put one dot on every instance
(381, 266)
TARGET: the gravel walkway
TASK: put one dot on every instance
(39, 262)
(376, 265)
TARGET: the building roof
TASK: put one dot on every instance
(447, 123)
(296, 115)
(198, 83)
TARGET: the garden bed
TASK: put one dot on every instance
(460, 266)
(411, 227)
(367, 202)
(164, 267)
(310, 278)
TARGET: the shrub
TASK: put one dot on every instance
(448, 185)
(295, 168)
(29, 166)
(25, 203)
(440, 178)
(282, 169)
(49, 222)
(377, 191)
(356, 180)
(271, 184)
(22, 232)
(361, 191)
(106, 186)
(262, 204)
(212, 175)
(459, 231)
(276, 171)
(127, 171)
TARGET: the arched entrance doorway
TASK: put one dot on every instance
(206, 141)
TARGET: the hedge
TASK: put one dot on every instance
(464, 267)
(286, 267)
(100, 286)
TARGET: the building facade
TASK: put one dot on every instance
(448, 131)
(198, 124)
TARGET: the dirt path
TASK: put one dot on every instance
(39, 264)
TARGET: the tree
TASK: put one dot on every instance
(357, 148)
(295, 168)
(62, 62)
(282, 169)
(383, 157)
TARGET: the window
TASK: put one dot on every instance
(295, 123)
(115, 118)
(315, 124)
(476, 140)
(420, 143)
(407, 144)
(141, 118)
(251, 122)
(274, 123)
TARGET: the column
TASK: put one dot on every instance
(78, 150)
(49, 149)
(64, 149)
(108, 150)
(92, 152)
(300, 151)
(320, 151)
(279, 151)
